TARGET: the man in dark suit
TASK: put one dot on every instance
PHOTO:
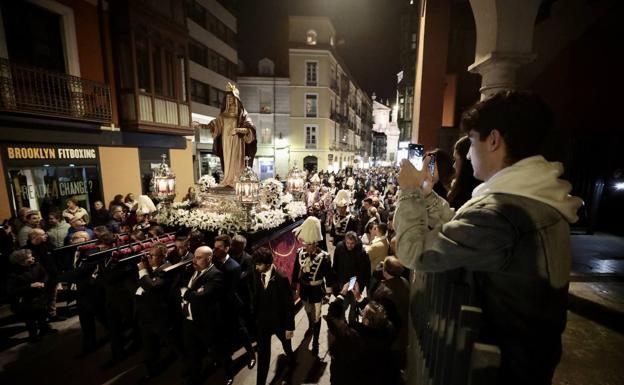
(232, 304)
(201, 301)
(152, 307)
(350, 260)
(246, 284)
(275, 311)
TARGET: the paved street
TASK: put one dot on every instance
(593, 341)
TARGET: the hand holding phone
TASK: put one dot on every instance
(352, 281)
(415, 154)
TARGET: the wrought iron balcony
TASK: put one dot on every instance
(37, 91)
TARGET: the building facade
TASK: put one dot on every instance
(212, 29)
(385, 122)
(330, 115)
(78, 122)
(267, 100)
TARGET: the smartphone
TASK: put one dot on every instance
(432, 161)
(352, 281)
(415, 154)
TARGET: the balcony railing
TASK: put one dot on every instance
(37, 91)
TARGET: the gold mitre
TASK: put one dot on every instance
(232, 88)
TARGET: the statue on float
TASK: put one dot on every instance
(234, 137)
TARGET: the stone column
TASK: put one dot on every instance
(504, 41)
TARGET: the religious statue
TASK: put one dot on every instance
(234, 137)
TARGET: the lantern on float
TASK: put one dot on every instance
(247, 189)
(295, 182)
(163, 182)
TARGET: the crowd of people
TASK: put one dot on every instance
(365, 231)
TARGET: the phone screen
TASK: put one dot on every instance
(352, 282)
(415, 154)
(432, 161)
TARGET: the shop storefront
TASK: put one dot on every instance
(43, 177)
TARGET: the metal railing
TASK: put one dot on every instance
(37, 91)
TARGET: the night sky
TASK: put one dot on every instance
(370, 30)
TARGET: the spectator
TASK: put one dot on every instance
(27, 294)
(139, 235)
(118, 201)
(378, 249)
(58, 229)
(32, 222)
(360, 352)
(513, 236)
(21, 219)
(42, 249)
(77, 224)
(464, 182)
(350, 260)
(100, 216)
(129, 202)
(117, 218)
(75, 211)
(393, 294)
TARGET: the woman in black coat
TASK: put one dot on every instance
(29, 300)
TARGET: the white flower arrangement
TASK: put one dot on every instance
(182, 215)
(271, 192)
(287, 198)
(206, 182)
(295, 209)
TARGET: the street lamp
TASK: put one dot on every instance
(163, 182)
(247, 187)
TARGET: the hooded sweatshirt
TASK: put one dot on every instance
(533, 178)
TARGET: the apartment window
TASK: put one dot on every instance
(199, 92)
(311, 73)
(198, 53)
(143, 65)
(265, 131)
(310, 136)
(195, 12)
(311, 105)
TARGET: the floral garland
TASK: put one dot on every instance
(181, 214)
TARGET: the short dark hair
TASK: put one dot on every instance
(227, 241)
(73, 200)
(522, 118)
(262, 256)
(157, 230)
(31, 213)
(368, 200)
(382, 227)
(376, 315)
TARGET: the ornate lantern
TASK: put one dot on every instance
(163, 182)
(295, 182)
(247, 190)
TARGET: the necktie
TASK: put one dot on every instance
(264, 282)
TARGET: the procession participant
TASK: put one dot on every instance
(343, 221)
(275, 310)
(312, 271)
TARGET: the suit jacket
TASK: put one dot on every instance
(275, 306)
(231, 277)
(152, 306)
(247, 278)
(205, 297)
